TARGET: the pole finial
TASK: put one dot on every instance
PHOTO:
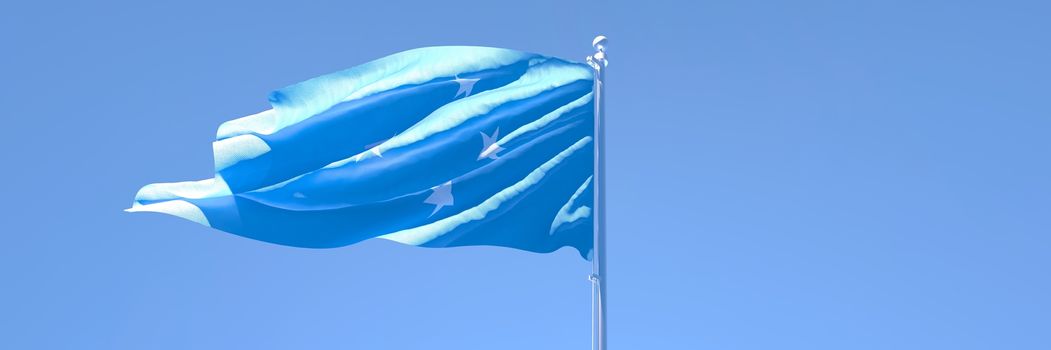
(600, 43)
(598, 59)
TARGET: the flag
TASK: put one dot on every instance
(432, 147)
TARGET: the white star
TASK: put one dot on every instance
(373, 147)
(466, 85)
(489, 145)
(442, 196)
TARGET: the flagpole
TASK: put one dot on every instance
(598, 63)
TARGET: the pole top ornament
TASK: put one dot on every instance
(598, 59)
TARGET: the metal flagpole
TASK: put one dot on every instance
(598, 63)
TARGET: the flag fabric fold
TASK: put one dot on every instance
(433, 147)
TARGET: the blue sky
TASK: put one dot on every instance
(813, 175)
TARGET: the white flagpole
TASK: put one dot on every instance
(598, 63)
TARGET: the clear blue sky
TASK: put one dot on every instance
(814, 175)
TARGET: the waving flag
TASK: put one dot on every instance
(433, 147)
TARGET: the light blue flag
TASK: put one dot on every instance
(433, 147)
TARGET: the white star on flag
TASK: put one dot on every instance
(489, 145)
(442, 196)
(466, 85)
(374, 148)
